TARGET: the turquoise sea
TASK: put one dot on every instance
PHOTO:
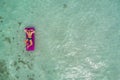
(75, 40)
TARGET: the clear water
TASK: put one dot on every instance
(75, 40)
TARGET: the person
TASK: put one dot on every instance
(29, 39)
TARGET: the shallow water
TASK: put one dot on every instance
(75, 40)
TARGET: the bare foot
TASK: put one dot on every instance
(28, 47)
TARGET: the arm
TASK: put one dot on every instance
(25, 31)
(32, 31)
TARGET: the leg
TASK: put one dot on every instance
(26, 42)
(31, 43)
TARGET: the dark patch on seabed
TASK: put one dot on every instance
(1, 21)
(20, 61)
(13, 38)
(30, 78)
(17, 68)
(19, 23)
(4, 73)
(7, 39)
(64, 5)
(1, 17)
(17, 77)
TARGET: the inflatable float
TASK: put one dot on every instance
(30, 38)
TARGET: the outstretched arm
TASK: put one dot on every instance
(32, 31)
(25, 30)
